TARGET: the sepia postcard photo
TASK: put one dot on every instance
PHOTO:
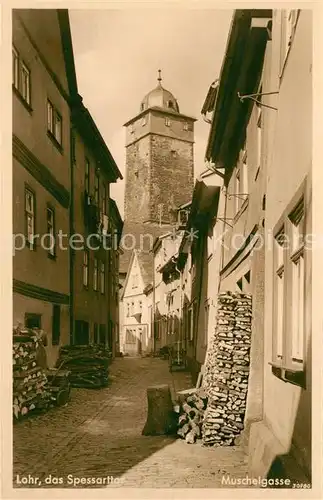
(162, 234)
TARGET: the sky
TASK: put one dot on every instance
(117, 56)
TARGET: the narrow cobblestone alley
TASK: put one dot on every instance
(98, 434)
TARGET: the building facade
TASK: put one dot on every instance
(136, 333)
(167, 292)
(116, 225)
(198, 288)
(41, 173)
(93, 267)
(61, 174)
(282, 440)
(267, 215)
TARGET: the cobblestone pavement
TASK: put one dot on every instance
(98, 435)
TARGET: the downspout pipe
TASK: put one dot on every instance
(71, 231)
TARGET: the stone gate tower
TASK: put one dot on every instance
(159, 159)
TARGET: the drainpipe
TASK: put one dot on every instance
(180, 305)
(71, 230)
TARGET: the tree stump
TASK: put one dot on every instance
(161, 418)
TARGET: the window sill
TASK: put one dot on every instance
(286, 374)
(22, 99)
(55, 141)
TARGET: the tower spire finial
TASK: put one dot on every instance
(159, 76)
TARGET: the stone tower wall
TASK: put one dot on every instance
(138, 180)
(172, 177)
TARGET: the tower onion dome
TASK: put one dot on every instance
(159, 97)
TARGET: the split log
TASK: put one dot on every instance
(161, 418)
(227, 370)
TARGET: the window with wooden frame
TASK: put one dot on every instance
(297, 227)
(51, 231)
(87, 176)
(21, 80)
(54, 123)
(32, 320)
(289, 293)
(25, 83)
(86, 259)
(30, 214)
(279, 293)
(102, 277)
(15, 68)
(95, 274)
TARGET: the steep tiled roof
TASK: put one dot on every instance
(146, 264)
(141, 236)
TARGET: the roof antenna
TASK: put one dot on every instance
(159, 76)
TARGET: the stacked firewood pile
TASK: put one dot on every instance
(30, 385)
(227, 370)
(88, 364)
(191, 416)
